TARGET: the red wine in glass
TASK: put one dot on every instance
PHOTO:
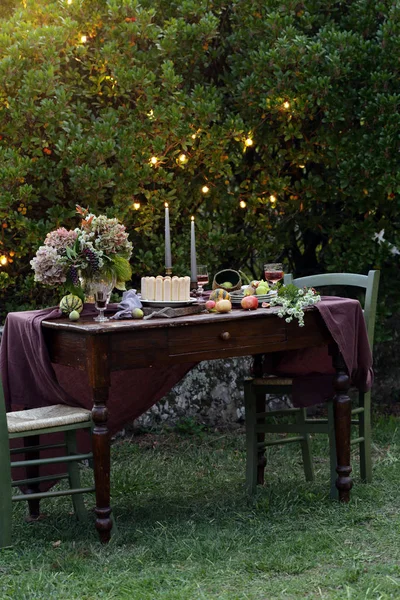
(273, 272)
(202, 279)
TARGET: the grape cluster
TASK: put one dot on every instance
(73, 273)
(91, 258)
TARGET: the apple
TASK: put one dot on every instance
(227, 285)
(137, 313)
(223, 306)
(74, 315)
(210, 305)
(249, 303)
(262, 290)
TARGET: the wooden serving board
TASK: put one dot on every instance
(170, 313)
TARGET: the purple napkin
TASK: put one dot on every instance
(130, 300)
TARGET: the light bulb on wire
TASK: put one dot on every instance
(205, 189)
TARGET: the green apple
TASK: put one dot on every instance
(262, 290)
(74, 315)
(137, 313)
(227, 285)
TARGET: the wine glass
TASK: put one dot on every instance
(202, 279)
(273, 272)
(101, 288)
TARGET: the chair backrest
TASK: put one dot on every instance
(370, 283)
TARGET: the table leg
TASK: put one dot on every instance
(100, 381)
(342, 417)
(101, 460)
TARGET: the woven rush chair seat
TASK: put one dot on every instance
(48, 416)
(296, 426)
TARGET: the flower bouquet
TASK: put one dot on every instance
(99, 246)
(293, 300)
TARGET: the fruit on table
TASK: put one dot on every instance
(249, 290)
(69, 303)
(137, 313)
(227, 285)
(223, 306)
(74, 315)
(249, 302)
(219, 294)
(210, 305)
(262, 290)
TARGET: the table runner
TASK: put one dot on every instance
(30, 380)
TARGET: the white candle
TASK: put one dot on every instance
(168, 261)
(193, 261)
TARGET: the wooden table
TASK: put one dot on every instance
(100, 348)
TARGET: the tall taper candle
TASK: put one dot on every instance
(193, 261)
(168, 261)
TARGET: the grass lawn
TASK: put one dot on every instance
(188, 532)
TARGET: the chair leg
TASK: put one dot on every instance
(261, 460)
(32, 471)
(334, 492)
(251, 438)
(6, 493)
(74, 476)
(306, 446)
(365, 432)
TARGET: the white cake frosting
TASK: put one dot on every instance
(164, 289)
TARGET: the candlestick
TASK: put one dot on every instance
(193, 261)
(168, 260)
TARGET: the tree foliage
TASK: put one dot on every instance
(314, 85)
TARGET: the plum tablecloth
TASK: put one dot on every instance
(30, 380)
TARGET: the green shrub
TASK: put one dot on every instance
(313, 84)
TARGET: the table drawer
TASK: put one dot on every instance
(216, 339)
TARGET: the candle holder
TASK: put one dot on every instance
(168, 271)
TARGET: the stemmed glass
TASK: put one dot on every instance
(273, 272)
(202, 279)
(101, 288)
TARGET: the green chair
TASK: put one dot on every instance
(259, 422)
(29, 425)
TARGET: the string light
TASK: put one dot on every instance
(136, 205)
(83, 39)
(3, 260)
(183, 158)
(286, 105)
(302, 166)
(69, 1)
(272, 198)
(154, 160)
(205, 189)
(242, 204)
(248, 142)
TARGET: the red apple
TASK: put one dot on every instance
(210, 305)
(249, 303)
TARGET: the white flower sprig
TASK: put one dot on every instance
(293, 301)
